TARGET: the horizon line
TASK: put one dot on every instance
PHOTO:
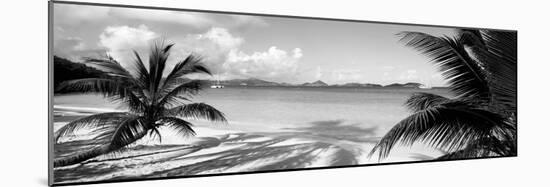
(333, 84)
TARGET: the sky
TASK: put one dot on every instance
(241, 46)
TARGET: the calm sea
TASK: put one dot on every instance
(273, 109)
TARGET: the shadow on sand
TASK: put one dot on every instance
(323, 143)
(337, 129)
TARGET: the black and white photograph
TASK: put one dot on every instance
(140, 93)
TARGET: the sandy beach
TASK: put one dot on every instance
(217, 150)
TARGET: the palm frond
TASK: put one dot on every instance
(198, 111)
(158, 57)
(191, 64)
(148, 98)
(113, 88)
(421, 101)
(182, 127)
(97, 121)
(109, 65)
(502, 44)
(135, 103)
(105, 86)
(472, 37)
(128, 131)
(142, 73)
(179, 92)
(448, 127)
(501, 63)
(481, 69)
(118, 73)
(155, 133)
(465, 77)
(483, 147)
(496, 53)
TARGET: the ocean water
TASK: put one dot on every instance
(268, 129)
(269, 109)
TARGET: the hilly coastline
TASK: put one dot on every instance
(253, 82)
(71, 70)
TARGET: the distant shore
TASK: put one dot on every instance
(329, 87)
(317, 84)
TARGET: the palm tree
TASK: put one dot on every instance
(153, 100)
(480, 67)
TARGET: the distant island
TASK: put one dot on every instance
(254, 82)
(67, 70)
(315, 84)
(406, 85)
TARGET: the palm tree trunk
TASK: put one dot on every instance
(83, 156)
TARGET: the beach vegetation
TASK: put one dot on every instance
(154, 98)
(480, 67)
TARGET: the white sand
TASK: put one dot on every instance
(217, 150)
(292, 141)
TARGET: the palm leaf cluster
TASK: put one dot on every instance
(153, 98)
(480, 67)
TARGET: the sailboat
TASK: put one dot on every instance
(426, 86)
(217, 85)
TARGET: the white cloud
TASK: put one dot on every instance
(214, 46)
(273, 64)
(347, 75)
(388, 72)
(223, 56)
(222, 38)
(121, 40)
(297, 53)
(125, 37)
(219, 48)
(318, 73)
(409, 75)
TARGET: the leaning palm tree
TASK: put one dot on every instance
(153, 99)
(480, 119)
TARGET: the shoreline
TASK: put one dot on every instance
(214, 150)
